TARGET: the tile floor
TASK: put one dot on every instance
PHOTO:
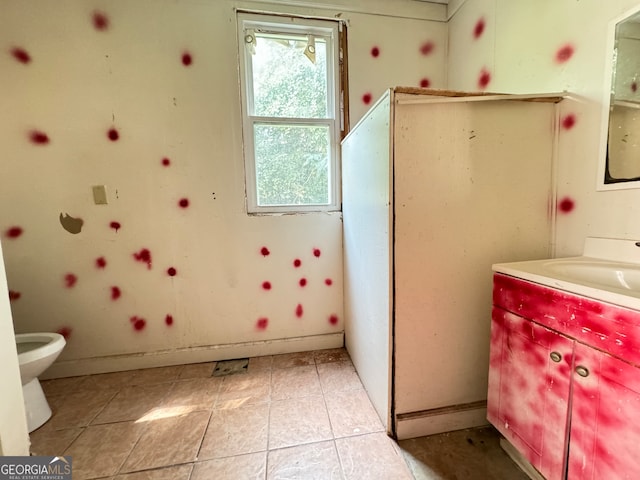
(293, 416)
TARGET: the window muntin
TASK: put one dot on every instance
(289, 78)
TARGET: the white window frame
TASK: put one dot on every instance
(328, 29)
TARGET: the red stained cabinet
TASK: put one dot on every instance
(573, 411)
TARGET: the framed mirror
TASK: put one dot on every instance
(620, 152)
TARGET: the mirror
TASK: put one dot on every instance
(621, 168)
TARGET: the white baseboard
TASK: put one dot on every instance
(440, 420)
(183, 356)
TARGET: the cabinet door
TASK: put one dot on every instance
(528, 394)
(605, 418)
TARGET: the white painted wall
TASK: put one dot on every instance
(519, 47)
(81, 82)
(14, 438)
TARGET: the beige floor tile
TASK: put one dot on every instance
(241, 467)
(338, 377)
(168, 441)
(133, 403)
(77, 409)
(260, 363)
(194, 394)
(298, 359)
(351, 413)
(197, 370)
(244, 389)
(331, 355)
(100, 450)
(150, 376)
(295, 382)
(236, 431)
(49, 441)
(373, 457)
(107, 381)
(315, 461)
(61, 386)
(178, 472)
(298, 421)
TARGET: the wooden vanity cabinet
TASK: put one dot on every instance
(572, 410)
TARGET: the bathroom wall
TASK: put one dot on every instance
(14, 439)
(142, 97)
(550, 46)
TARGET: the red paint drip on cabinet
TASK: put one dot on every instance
(13, 295)
(138, 323)
(328, 282)
(264, 251)
(317, 252)
(566, 205)
(101, 262)
(303, 282)
(183, 203)
(115, 226)
(484, 79)
(166, 162)
(564, 53)
(375, 52)
(168, 320)
(333, 319)
(187, 59)
(172, 272)
(297, 262)
(266, 285)
(568, 121)
(427, 47)
(113, 134)
(299, 310)
(478, 29)
(366, 98)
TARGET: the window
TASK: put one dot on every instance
(289, 71)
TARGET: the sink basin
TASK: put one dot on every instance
(606, 274)
(609, 270)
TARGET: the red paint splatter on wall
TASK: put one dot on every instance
(70, 280)
(366, 98)
(13, 232)
(168, 320)
(184, 202)
(100, 21)
(478, 29)
(138, 323)
(375, 52)
(568, 121)
(328, 282)
(317, 252)
(13, 295)
(297, 262)
(113, 134)
(564, 53)
(143, 256)
(115, 225)
(172, 272)
(38, 138)
(425, 82)
(166, 162)
(65, 332)
(634, 87)
(299, 310)
(266, 285)
(427, 47)
(303, 282)
(262, 323)
(187, 59)
(566, 205)
(101, 262)
(484, 79)
(333, 319)
(115, 293)
(264, 251)
(21, 55)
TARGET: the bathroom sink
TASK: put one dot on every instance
(593, 271)
(609, 270)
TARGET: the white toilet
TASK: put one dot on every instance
(36, 353)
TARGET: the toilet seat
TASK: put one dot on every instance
(44, 344)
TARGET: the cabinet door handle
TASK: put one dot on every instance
(582, 371)
(555, 356)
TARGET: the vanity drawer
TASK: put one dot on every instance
(604, 326)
